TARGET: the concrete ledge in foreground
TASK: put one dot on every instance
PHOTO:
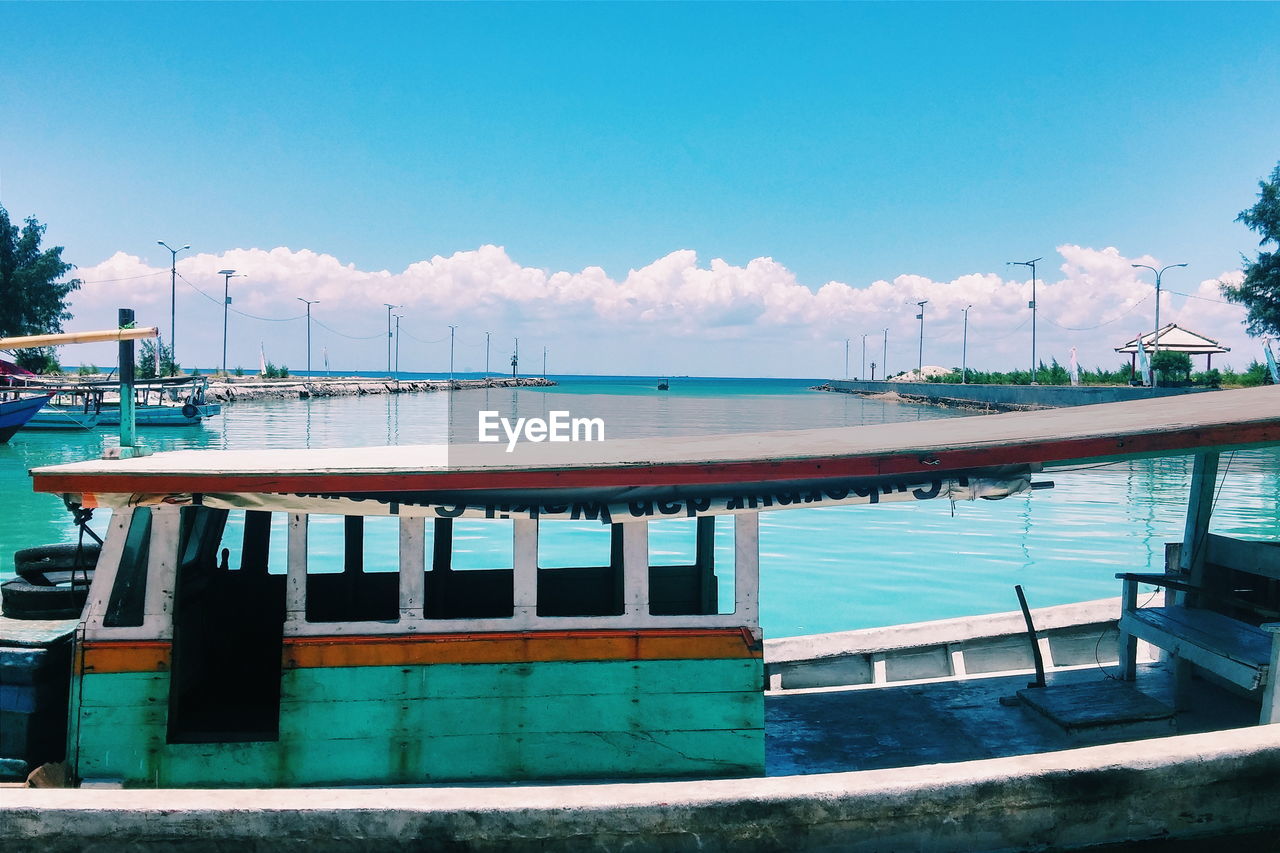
(1193, 786)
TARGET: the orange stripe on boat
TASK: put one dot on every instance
(521, 647)
(124, 656)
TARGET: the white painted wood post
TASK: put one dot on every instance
(162, 563)
(104, 578)
(746, 567)
(413, 580)
(635, 568)
(525, 571)
(296, 583)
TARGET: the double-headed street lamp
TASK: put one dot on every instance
(227, 275)
(1032, 305)
(920, 361)
(1155, 341)
(173, 296)
(309, 302)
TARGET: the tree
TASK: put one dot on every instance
(33, 298)
(146, 365)
(1260, 290)
(1172, 366)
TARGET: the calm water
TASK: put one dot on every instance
(821, 569)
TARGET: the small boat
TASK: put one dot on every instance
(221, 649)
(663, 384)
(160, 402)
(14, 414)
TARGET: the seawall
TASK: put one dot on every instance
(232, 389)
(1002, 398)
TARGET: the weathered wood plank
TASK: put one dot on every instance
(1258, 558)
(124, 689)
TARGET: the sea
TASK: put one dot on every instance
(822, 569)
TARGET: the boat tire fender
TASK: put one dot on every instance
(34, 563)
(190, 411)
(22, 599)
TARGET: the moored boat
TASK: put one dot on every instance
(433, 671)
(16, 413)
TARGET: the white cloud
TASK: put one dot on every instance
(673, 315)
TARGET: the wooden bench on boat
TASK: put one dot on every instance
(1212, 620)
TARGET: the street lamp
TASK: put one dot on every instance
(964, 349)
(389, 309)
(452, 329)
(1032, 305)
(486, 355)
(309, 302)
(173, 297)
(544, 362)
(863, 374)
(920, 317)
(227, 275)
(1155, 343)
(846, 358)
(884, 357)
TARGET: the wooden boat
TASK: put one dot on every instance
(175, 401)
(16, 413)
(433, 674)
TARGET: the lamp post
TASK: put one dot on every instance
(1032, 305)
(173, 297)
(227, 275)
(486, 355)
(515, 360)
(920, 317)
(309, 302)
(398, 316)
(544, 362)
(390, 307)
(1155, 342)
(452, 329)
(964, 349)
(863, 374)
(846, 358)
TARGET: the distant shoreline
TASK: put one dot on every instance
(234, 388)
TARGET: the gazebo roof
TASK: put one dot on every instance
(1174, 338)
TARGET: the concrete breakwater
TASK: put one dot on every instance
(1001, 398)
(232, 389)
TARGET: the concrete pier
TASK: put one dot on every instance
(231, 389)
(1003, 398)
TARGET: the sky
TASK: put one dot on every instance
(704, 189)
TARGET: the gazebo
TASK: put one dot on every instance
(1174, 338)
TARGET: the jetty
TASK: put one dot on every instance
(228, 389)
(1001, 398)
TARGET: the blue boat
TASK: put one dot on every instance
(14, 414)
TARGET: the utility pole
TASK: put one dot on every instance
(173, 301)
(863, 374)
(227, 275)
(1155, 343)
(309, 302)
(452, 329)
(515, 360)
(964, 351)
(846, 358)
(398, 316)
(544, 362)
(1032, 305)
(920, 317)
(389, 309)
(486, 355)
(884, 357)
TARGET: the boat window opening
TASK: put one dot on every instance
(682, 576)
(477, 582)
(352, 569)
(129, 593)
(227, 628)
(579, 569)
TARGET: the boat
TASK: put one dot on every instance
(663, 384)
(623, 703)
(16, 413)
(174, 401)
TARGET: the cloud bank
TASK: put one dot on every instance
(675, 315)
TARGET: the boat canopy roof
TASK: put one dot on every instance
(1049, 438)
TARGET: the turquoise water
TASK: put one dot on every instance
(821, 569)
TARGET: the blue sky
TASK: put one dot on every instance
(849, 143)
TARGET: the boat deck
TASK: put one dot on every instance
(831, 730)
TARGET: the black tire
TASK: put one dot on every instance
(21, 599)
(34, 563)
(190, 411)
